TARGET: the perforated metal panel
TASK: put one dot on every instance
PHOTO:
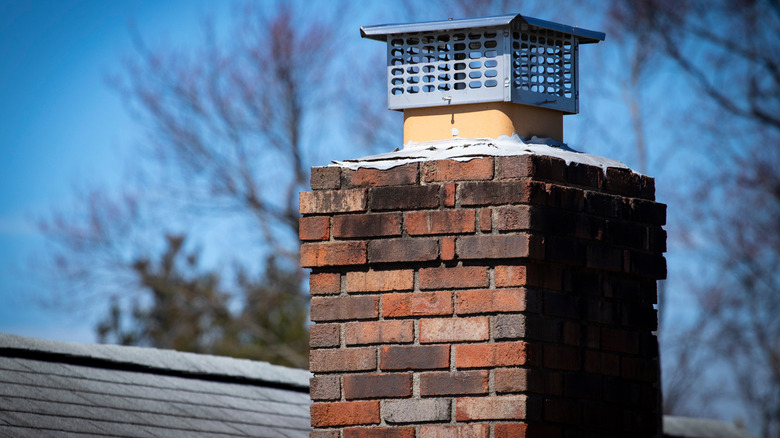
(507, 58)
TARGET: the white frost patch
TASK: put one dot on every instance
(465, 149)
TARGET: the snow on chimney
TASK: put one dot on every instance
(482, 77)
(482, 288)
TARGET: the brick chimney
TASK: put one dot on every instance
(484, 289)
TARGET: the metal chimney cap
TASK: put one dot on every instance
(382, 31)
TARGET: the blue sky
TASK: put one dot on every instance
(62, 126)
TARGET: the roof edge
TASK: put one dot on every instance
(158, 361)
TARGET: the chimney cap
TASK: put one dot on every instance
(382, 31)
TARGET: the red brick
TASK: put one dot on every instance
(619, 340)
(379, 332)
(454, 330)
(325, 178)
(460, 277)
(511, 430)
(452, 170)
(513, 275)
(325, 387)
(397, 176)
(379, 432)
(333, 201)
(344, 359)
(518, 380)
(403, 250)
(416, 304)
(506, 407)
(414, 357)
(500, 246)
(454, 383)
(366, 225)
(562, 358)
(344, 308)
(447, 248)
(459, 431)
(324, 283)
(440, 222)
(448, 193)
(486, 220)
(514, 218)
(333, 254)
(324, 335)
(404, 197)
(314, 228)
(490, 301)
(380, 281)
(499, 354)
(361, 386)
(344, 413)
(532, 166)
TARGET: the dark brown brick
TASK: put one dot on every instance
(333, 201)
(499, 246)
(653, 213)
(325, 178)
(453, 383)
(363, 386)
(584, 175)
(397, 176)
(403, 250)
(561, 358)
(461, 277)
(366, 225)
(344, 308)
(486, 220)
(452, 170)
(324, 335)
(404, 197)
(423, 357)
(494, 193)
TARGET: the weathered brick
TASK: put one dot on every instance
(563, 411)
(448, 194)
(622, 182)
(604, 257)
(333, 201)
(532, 166)
(583, 386)
(314, 228)
(648, 265)
(397, 176)
(568, 198)
(453, 383)
(460, 277)
(499, 246)
(584, 175)
(490, 301)
(325, 388)
(416, 304)
(325, 283)
(440, 222)
(515, 430)
(344, 359)
(515, 217)
(344, 413)
(379, 332)
(454, 329)
(499, 354)
(414, 357)
(333, 254)
(620, 340)
(344, 308)
(324, 335)
(379, 281)
(459, 431)
(379, 432)
(493, 193)
(320, 433)
(564, 250)
(561, 358)
(403, 250)
(325, 178)
(509, 326)
(505, 407)
(404, 197)
(509, 380)
(416, 411)
(452, 170)
(486, 220)
(362, 386)
(511, 275)
(366, 225)
(448, 248)
(649, 212)
(600, 204)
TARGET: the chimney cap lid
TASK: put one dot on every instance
(382, 31)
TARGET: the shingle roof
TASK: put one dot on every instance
(52, 388)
